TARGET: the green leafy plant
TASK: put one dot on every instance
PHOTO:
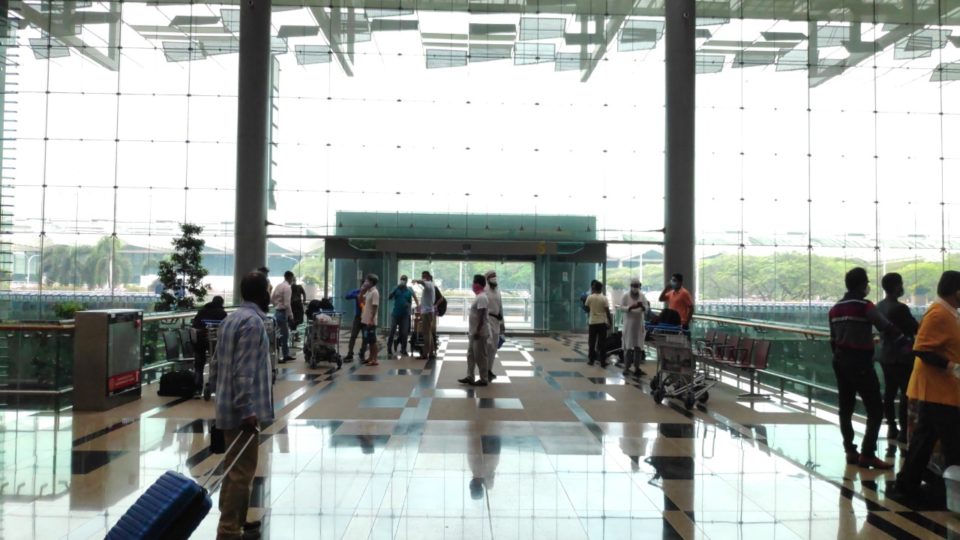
(182, 274)
(66, 310)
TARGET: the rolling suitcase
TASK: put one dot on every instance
(614, 345)
(173, 506)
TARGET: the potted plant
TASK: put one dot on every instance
(181, 275)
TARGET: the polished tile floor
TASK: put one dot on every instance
(554, 449)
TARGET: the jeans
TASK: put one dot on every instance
(895, 379)
(283, 332)
(935, 422)
(597, 342)
(857, 376)
(354, 332)
(236, 488)
(403, 323)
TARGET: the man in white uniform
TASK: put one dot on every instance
(479, 336)
(635, 306)
(495, 317)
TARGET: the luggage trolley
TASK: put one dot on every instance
(322, 341)
(677, 374)
(213, 331)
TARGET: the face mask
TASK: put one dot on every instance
(493, 283)
(674, 284)
(477, 289)
(403, 283)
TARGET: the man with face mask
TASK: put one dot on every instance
(896, 361)
(851, 337)
(478, 331)
(935, 384)
(241, 372)
(678, 299)
(634, 305)
(495, 316)
(403, 299)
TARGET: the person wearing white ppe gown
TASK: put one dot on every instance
(495, 317)
(635, 306)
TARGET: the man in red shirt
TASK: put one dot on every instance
(679, 299)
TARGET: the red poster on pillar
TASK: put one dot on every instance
(122, 381)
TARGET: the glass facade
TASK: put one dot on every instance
(826, 137)
(824, 144)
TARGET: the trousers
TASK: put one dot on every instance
(477, 359)
(857, 376)
(236, 488)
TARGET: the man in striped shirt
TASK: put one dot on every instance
(240, 374)
(852, 321)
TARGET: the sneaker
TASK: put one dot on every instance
(466, 380)
(404, 354)
(348, 357)
(626, 373)
(590, 362)
(853, 457)
(481, 382)
(874, 462)
(893, 432)
(251, 525)
(491, 375)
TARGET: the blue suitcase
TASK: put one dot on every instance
(172, 508)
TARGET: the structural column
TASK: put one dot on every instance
(253, 140)
(679, 203)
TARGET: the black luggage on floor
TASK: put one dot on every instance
(614, 344)
(177, 384)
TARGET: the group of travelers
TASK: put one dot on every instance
(635, 307)
(485, 328)
(920, 362)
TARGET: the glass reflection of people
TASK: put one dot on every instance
(935, 384)
(483, 467)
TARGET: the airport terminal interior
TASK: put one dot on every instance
(155, 152)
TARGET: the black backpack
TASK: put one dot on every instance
(442, 304)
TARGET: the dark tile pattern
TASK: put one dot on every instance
(87, 461)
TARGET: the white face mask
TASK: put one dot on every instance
(403, 283)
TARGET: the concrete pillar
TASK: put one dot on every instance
(253, 140)
(679, 202)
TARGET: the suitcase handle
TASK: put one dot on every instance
(207, 476)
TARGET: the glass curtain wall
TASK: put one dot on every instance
(825, 143)
(127, 128)
(457, 113)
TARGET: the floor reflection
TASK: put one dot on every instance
(403, 451)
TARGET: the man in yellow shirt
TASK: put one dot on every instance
(600, 320)
(935, 383)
